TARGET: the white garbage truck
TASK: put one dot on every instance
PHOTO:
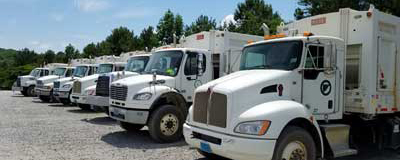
(26, 84)
(80, 90)
(333, 80)
(99, 100)
(44, 85)
(62, 88)
(160, 97)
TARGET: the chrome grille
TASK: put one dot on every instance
(77, 87)
(210, 111)
(39, 84)
(119, 92)
(56, 84)
(18, 82)
(103, 86)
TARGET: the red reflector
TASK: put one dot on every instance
(200, 37)
(280, 90)
(394, 109)
(384, 109)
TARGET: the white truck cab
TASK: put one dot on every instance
(44, 85)
(26, 84)
(160, 97)
(62, 88)
(99, 100)
(297, 97)
(80, 87)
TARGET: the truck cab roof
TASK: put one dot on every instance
(302, 38)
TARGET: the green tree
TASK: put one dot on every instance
(49, 56)
(148, 38)
(90, 51)
(71, 53)
(104, 48)
(60, 57)
(25, 56)
(203, 23)
(121, 40)
(168, 26)
(251, 14)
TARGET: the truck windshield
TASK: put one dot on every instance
(35, 73)
(137, 64)
(80, 71)
(105, 68)
(59, 71)
(165, 63)
(276, 55)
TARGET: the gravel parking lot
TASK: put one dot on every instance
(33, 130)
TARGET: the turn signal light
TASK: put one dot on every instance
(307, 34)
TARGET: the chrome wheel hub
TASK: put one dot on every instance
(295, 151)
(169, 124)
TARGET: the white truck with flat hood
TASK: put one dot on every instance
(160, 97)
(62, 88)
(304, 96)
(81, 88)
(26, 84)
(44, 85)
(99, 100)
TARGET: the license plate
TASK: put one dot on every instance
(205, 147)
(119, 113)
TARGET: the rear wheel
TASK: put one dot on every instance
(31, 91)
(84, 107)
(295, 143)
(44, 98)
(65, 101)
(165, 124)
(23, 92)
(130, 126)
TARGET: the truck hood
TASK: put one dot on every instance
(48, 79)
(88, 78)
(120, 75)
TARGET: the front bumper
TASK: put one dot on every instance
(16, 88)
(61, 94)
(98, 100)
(42, 92)
(128, 115)
(231, 146)
(79, 99)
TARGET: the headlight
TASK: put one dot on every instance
(67, 86)
(142, 96)
(253, 127)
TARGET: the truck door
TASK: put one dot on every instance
(320, 84)
(191, 79)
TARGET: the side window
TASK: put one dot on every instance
(42, 73)
(314, 62)
(191, 63)
(120, 68)
(254, 60)
(46, 72)
(69, 72)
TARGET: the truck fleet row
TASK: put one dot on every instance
(305, 93)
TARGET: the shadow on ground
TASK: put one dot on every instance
(59, 105)
(101, 121)
(78, 110)
(136, 140)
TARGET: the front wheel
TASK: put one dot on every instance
(84, 107)
(31, 91)
(165, 124)
(211, 156)
(295, 143)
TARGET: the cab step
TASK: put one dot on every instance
(337, 136)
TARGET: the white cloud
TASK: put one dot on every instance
(135, 13)
(91, 5)
(40, 46)
(228, 19)
(81, 36)
(57, 17)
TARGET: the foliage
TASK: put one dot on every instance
(203, 23)
(148, 39)
(168, 26)
(49, 56)
(71, 53)
(121, 40)
(90, 51)
(251, 14)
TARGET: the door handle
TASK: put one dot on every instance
(190, 78)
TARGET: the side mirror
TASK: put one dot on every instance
(200, 62)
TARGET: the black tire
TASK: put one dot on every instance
(23, 92)
(211, 156)
(31, 91)
(84, 107)
(293, 134)
(130, 127)
(65, 102)
(44, 99)
(155, 123)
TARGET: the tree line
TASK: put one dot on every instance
(248, 15)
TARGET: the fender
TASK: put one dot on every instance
(30, 83)
(166, 95)
(282, 113)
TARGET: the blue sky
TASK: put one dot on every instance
(53, 24)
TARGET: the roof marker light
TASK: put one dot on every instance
(307, 34)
